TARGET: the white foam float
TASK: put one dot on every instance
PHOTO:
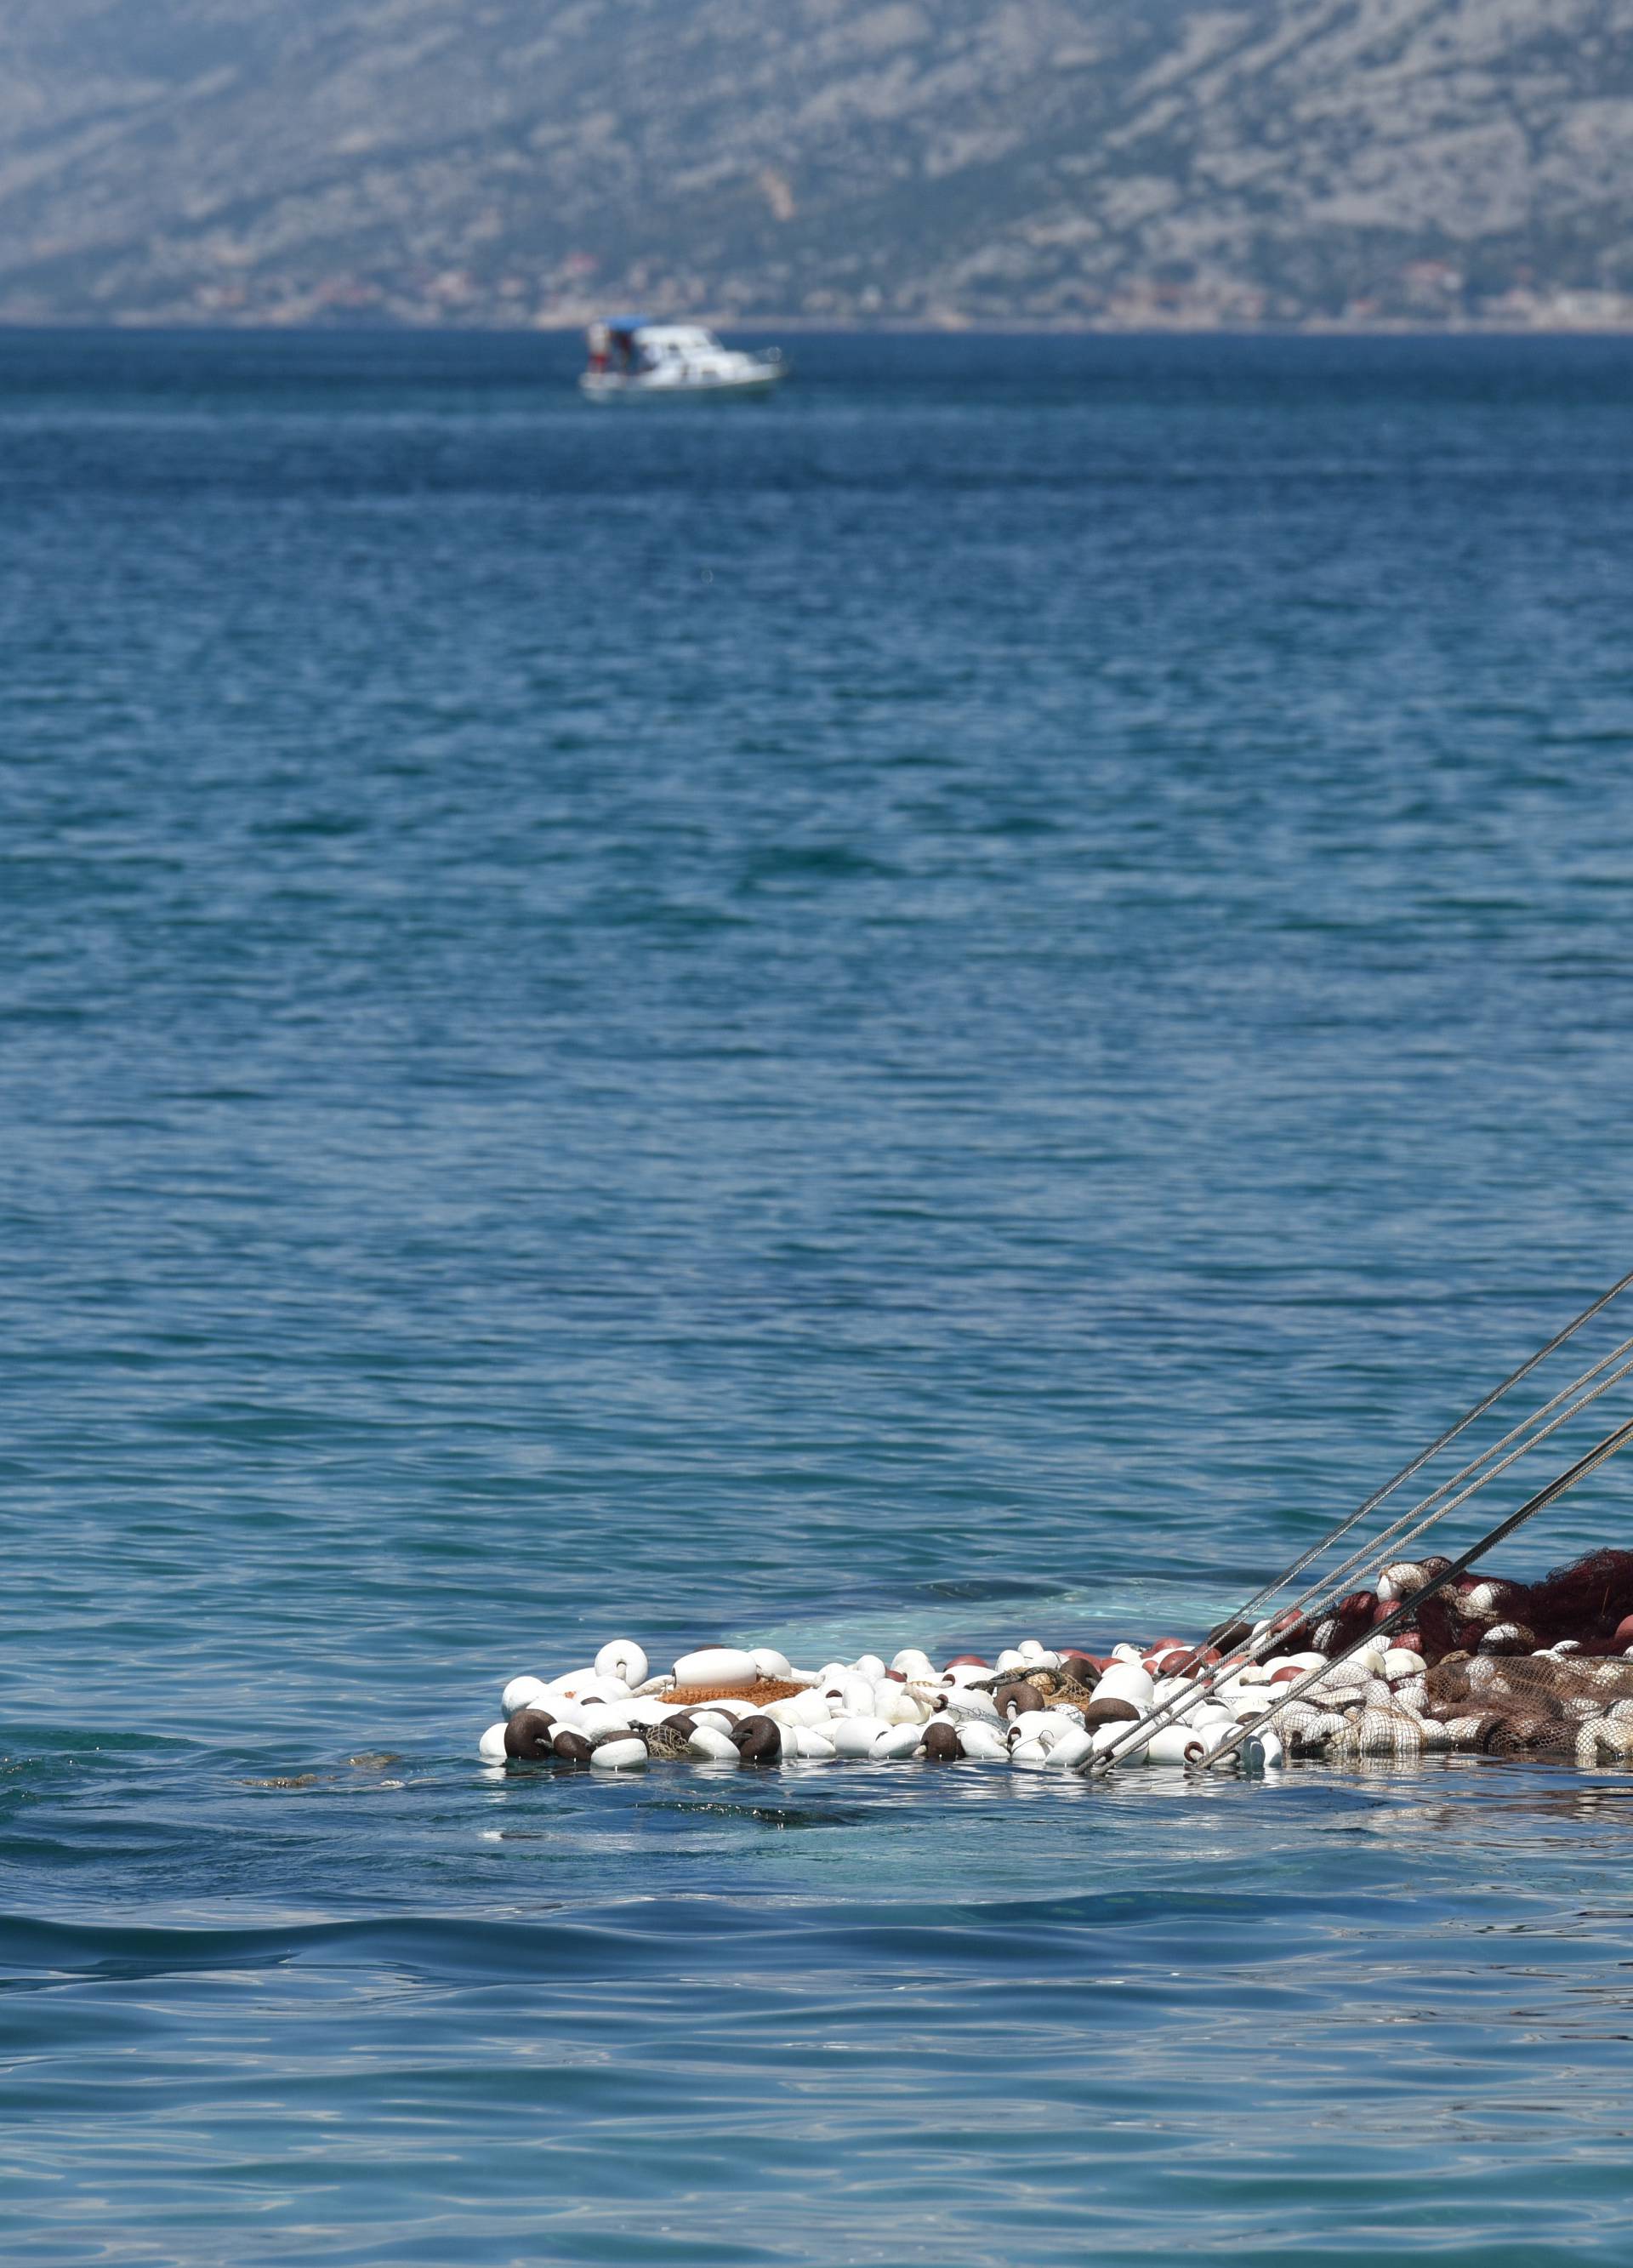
(862, 1711)
(622, 1658)
(618, 1756)
(854, 1736)
(1072, 1749)
(726, 1666)
(710, 1745)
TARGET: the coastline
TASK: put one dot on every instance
(1150, 326)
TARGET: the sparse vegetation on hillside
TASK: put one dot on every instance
(1118, 162)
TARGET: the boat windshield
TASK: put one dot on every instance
(677, 339)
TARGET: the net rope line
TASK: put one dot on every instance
(1180, 1706)
(1595, 1456)
(1416, 1465)
(1400, 1532)
(1174, 1710)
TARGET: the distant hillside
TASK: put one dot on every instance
(1104, 161)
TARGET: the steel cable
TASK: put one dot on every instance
(1602, 1449)
(1401, 1530)
(1180, 1706)
(1416, 1464)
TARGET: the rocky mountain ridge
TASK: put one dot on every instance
(1108, 162)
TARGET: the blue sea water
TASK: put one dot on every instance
(952, 1008)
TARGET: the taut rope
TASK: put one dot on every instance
(1556, 1487)
(1378, 1495)
(1400, 1532)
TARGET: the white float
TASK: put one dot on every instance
(621, 1657)
(727, 1666)
(710, 1745)
(854, 1736)
(620, 1755)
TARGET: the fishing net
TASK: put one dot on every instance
(1587, 1602)
(756, 1696)
(1502, 1668)
(1568, 1706)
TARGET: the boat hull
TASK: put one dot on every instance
(612, 386)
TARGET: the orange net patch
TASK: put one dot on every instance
(761, 1691)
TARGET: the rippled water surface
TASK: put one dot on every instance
(953, 1008)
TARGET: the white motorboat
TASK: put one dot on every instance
(637, 361)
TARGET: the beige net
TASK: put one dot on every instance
(1535, 1704)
